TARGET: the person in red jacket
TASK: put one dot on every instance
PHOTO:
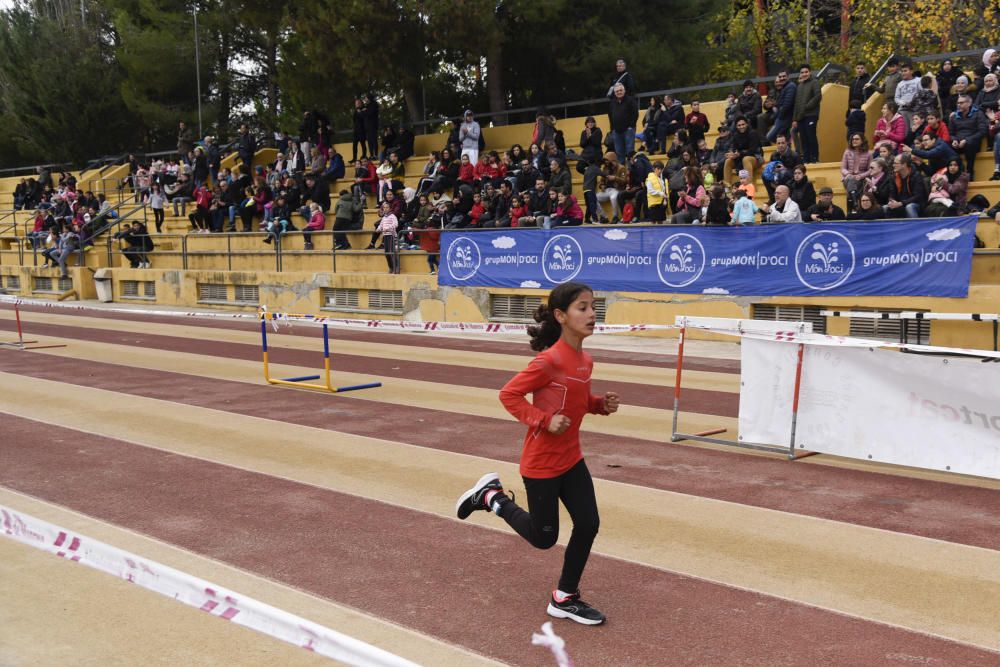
(552, 465)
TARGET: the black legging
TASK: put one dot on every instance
(541, 527)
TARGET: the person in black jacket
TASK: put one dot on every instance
(591, 141)
(624, 77)
(745, 150)
(369, 115)
(359, 137)
(246, 146)
(623, 114)
(801, 190)
(824, 210)
(968, 127)
(138, 244)
(908, 194)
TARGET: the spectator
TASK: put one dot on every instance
(317, 191)
(860, 90)
(906, 90)
(750, 103)
(317, 162)
(890, 129)
(615, 181)
(926, 101)
(430, 169)
(908, 194)
(430, 240)
(784, 209)
(387, 227)
(958, 186)
(879, 183)
(854, 167)
(365, 177)
(467, 171)
(805, 115)
(138, 244)
(544, 132)
(447, 173)
(347, 208)
(930, 154)
(717, 160)
(498, 213)
(369, 115)
(960, 88)
(591, 141)
(199, 217)
(67, 243)
(696, 123)
(946, 78)
(939, 201)
(745, 150)
(744, 209)
(468, 134)
(656, 195)
(182, 193)
(888, 87)
(156, 202)
(567, 213)
(623, 114)
(765, 119)
(868, 209)
(246, 146)
(856, 120)
(337, 169)
(936, 128)
(212, 156)
(560, 178)
(990, 65)
(968, 126)
(690, 199)
(746, 183)
(800, 189)
(185, 138)
(624, 77)
(670, 121)
(650, 120)
(783, 160)
(281, 221)
(989, 94)
(718, 210)
(316, 222)
(824, 210)
(358, 136)
(784, 110)
(307, 132)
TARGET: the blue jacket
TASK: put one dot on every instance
(786, 102)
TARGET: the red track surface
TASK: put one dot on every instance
(470, 586)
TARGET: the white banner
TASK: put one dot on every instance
(868, 403)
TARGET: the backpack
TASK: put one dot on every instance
(628, 212)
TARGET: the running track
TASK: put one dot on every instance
(158, 436)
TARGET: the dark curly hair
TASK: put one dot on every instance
(548, 330)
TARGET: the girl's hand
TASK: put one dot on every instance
(558, 424)
(611, 402)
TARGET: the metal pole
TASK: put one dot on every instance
(795, 402)
(677, 381)
(197, 70)
(808, 25)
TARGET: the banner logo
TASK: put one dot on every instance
(463, 258)
(824, 260)
(680, 260)
(562, 258)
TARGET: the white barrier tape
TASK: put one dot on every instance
(845, 341)
(208, 597)
(912, 315)
(349, 323)
(550, 640)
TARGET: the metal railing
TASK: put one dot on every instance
(189, 248)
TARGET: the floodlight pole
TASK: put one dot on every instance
(197, 70)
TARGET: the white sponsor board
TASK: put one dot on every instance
(875, 404)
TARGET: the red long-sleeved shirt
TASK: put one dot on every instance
(559, 379)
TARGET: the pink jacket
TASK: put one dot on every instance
(893, 130)
(317, 221)
(694, 202)
(855, 163)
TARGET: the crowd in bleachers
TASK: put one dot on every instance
(668, 166)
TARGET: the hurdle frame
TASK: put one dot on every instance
(787, 450)
(302, 381)
(20, 343)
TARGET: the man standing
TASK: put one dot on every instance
(888, 86)
(906, 90)
(468, 135)
(750, 102)
(805, 116)
(185, 139)
(246, 146)
(860, 90)
(624, 77)
(622, 115)
(784, 91)
(696, 123)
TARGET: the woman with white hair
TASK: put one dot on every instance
(989, 97)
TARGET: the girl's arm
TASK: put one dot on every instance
(604, 405)
(534, 377)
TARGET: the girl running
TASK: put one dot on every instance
(552, 465)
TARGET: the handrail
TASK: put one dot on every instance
(881, 68)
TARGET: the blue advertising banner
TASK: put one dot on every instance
(929, 257)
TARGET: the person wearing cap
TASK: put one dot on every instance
(468, 135)
(750, 102)
(824, 210)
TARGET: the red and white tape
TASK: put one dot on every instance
(342, 322)
(195, 592)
